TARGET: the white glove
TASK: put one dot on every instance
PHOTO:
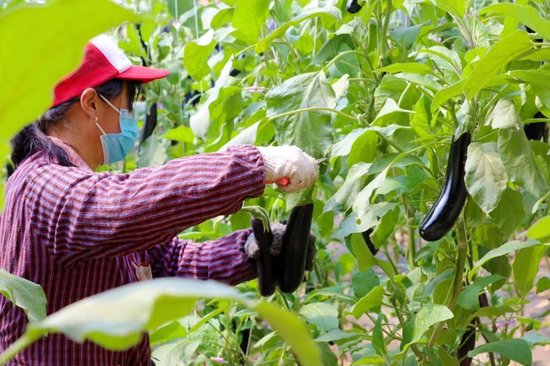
(289, 162)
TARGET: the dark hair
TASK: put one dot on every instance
(32, 138)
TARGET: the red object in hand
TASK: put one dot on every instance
(283, 181)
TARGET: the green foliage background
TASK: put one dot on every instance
(379, 94)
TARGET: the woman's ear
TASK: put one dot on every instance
(89, 102)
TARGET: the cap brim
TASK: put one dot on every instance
(143, 74)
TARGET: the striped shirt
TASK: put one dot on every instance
(77, 233)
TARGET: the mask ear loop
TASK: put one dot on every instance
(109, 103)
(96, 120)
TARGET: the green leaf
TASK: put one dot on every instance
(500, 54)
(28, 34)
(178, 7)
(504, 249)
(447, 93)
(362, 202)
(329, 12)
(309, 130)
(504, 115)
(540, 230)
(511, 201)
(370, 301)
(526, 267)
(543, 284)
(513, 349)
(293, 331)
(364, 282)
(485, 175)
(200, 121)
(378, 337)
(468, 299)
(24, 294)
(428, 315)
(115, 319)
(519, 161)
(456, 8)
(249, 19)
(196, 54)
(323, 315)
(525, 14)
(347, 193)
(180, 134)
(153, 152)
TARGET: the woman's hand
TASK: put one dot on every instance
(289, 167)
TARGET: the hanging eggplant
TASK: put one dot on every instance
(536, 130)
(150, 123)
(265, 264)
(448, 206)
(353, 6)
(292, 260)
(366, 237)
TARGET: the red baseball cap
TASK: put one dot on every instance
(103, 61)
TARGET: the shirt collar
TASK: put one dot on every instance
(73, 155)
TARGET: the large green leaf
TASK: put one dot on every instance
(540, 229)
(502, 250)
(456, 8)
(526, 267)
(486, 176)
(196, 54)
(513, 349)
(25, 294)
(249, 19)
(523, 13)
(43, 29)
(200, 121)
(293, 330)
(311, 129)
(370, 301)
(519, 161)
(500, 54)
(428, 315)
(117, 318)
(504, 115)
(37, 50)
(323, 315)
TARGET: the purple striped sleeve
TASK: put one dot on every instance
(223, 259)
(90, 215)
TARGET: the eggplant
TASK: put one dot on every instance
(467, 343)
(353, 6)
(292, 260)
(442, 216)
(366, 237)
(265, 264)
(150, 123)
(536, 130)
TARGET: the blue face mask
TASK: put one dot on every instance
(117, 145)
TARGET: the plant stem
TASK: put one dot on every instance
(459, 276)
(411, 252)
(18, 346)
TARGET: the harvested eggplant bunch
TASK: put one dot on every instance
(442, 216)
(292, 260)
(266, 265)
(353, 6)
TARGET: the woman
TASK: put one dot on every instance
(76, 232)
